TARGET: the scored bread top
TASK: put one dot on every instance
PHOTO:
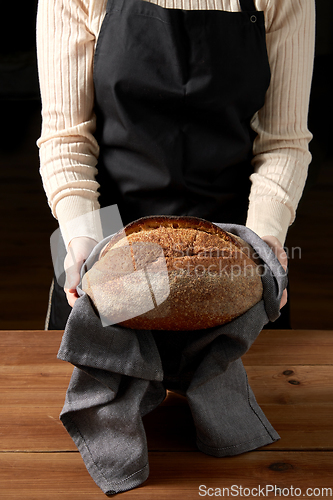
(179, 223)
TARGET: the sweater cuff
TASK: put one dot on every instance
(269, 217)
(78, 216)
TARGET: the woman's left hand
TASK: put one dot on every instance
(277, 248)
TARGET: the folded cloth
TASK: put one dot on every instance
(120, 375)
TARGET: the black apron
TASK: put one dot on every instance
(175, 92)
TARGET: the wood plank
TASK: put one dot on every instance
(29, 347)
(272, 347)
(297, 347)
(33, 429)
(168, 428)
(63, 476)
(297, 399)
(29, 385)
(291, 383)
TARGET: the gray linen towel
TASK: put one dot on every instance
(120, 375)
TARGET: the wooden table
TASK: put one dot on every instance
(290, 372)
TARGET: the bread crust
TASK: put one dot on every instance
(171, 221)
(198, 259)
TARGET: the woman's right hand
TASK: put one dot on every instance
(78, 252)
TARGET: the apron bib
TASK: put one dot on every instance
(175, 92)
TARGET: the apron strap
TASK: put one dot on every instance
(247, 5)
(114, 6)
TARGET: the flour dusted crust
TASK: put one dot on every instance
(213, 276)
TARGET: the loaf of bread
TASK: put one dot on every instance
(173, 273)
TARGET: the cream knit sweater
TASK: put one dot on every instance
(67, 31)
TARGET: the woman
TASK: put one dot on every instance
(189, 108)
(180, 107)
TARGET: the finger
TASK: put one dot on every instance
(283, 259)
(72, 277)
(284, 298)
(278, 249)
(71, 295)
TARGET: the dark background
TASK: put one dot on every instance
(26, 222)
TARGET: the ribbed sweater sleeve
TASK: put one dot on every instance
(67, 31)
(281, 155)
(68, 149)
